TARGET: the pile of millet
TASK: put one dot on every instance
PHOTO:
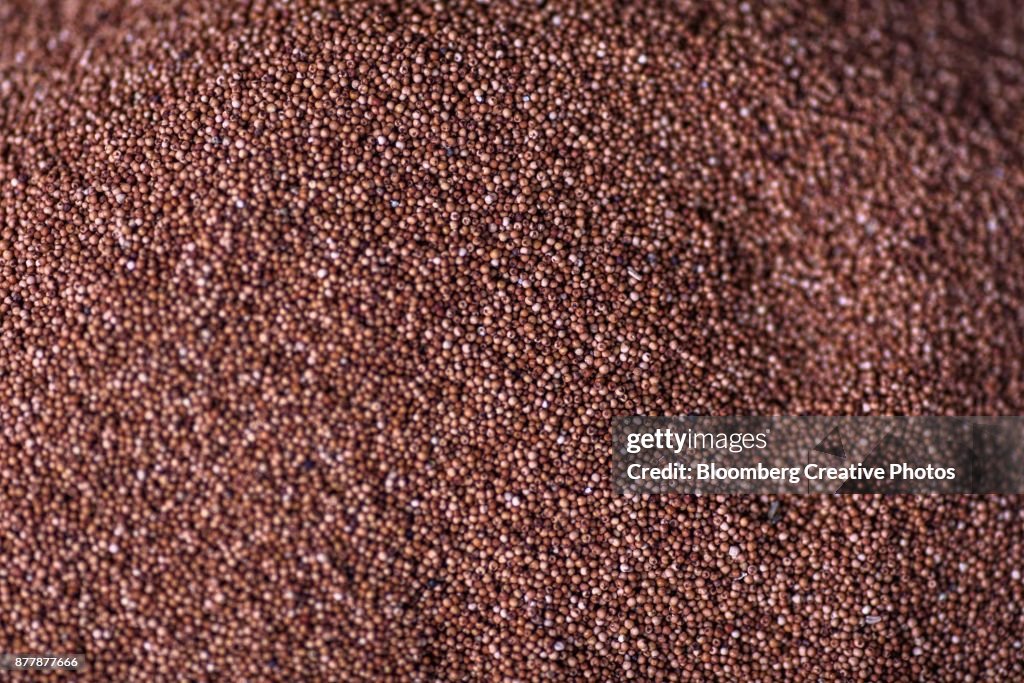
(314, 318)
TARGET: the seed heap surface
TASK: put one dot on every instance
(313, 318)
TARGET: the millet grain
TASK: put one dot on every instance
(313, 318)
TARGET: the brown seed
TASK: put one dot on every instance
(313, 319)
